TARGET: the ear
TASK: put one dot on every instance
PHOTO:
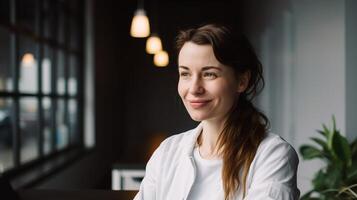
(244, 79)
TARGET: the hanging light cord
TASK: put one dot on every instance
(140, 4)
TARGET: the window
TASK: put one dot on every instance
(40, 80)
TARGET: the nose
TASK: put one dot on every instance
(196, 86)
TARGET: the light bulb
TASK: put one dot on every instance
(28, 60)
(161, 59)
(153, 45)
(140, 26)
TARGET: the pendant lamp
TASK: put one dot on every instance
(140, 26)
(161, 59)
(153, 44)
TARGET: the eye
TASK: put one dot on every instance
(210, 75)
(184, 74)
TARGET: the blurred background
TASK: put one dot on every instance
(79, 96)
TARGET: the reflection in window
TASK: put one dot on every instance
(46, 69)
(6, 78)
(29, 129)
(60, 72)
(47, 126)
(72, 76)
(6, 136)
(36, 34)
(61, 126)
(28, 65)
(26, 14)
(49, 11)
(73, 120)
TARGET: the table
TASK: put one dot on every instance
(52, 194)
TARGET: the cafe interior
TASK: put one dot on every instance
(88, 88)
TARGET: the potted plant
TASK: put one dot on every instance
(338, 178)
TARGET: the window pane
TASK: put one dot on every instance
(73, 120)
(5, 11)
(6, 78)
(29, 129)
(46, 69)
(26, 14)
(49, 11)
(6, 142)
(74, 36)
(60, 72)
(61, 126)
(73, 75)
(47, 128)
(28, 65)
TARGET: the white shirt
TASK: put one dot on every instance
(208, 182)
(171, 171)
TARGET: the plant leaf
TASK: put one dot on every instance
(333, 123)
(342, 149)
(322, 143)
(353, 146)
(309, 152)
(352, 175)
(348, 190)
(325, 134)
(341, 168)
(319, 181)
(330, 136)
(333, 178)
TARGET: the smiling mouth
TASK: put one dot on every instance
(198, 104)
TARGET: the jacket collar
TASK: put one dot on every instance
(191, 140)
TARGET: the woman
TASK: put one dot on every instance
(230, 155)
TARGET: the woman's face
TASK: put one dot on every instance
(207, 88)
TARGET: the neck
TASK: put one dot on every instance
(209, 137)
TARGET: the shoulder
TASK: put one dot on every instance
(275, 148)
(272, 174)
(274, 142)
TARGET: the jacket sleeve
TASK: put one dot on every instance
(148, 186)
(274, 174)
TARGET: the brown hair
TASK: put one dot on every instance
(245, 126)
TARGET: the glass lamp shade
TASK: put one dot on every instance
(161, 59)
(28, 60)
(140, 26)
(153, 45)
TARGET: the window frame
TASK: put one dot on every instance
(72, 150)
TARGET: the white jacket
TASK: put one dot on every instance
(170, 172)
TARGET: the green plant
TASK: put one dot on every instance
(338, 179)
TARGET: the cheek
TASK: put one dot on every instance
(226, 93)
(180, 89)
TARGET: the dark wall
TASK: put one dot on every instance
(136, 102)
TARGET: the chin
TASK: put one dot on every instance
(197, 117)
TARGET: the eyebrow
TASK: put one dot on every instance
(203, 68)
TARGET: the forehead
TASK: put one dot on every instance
(194, 55)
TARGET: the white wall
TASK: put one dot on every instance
(351, 69)
(303, 49)
(319, 62)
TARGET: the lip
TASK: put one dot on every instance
(198, 103)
